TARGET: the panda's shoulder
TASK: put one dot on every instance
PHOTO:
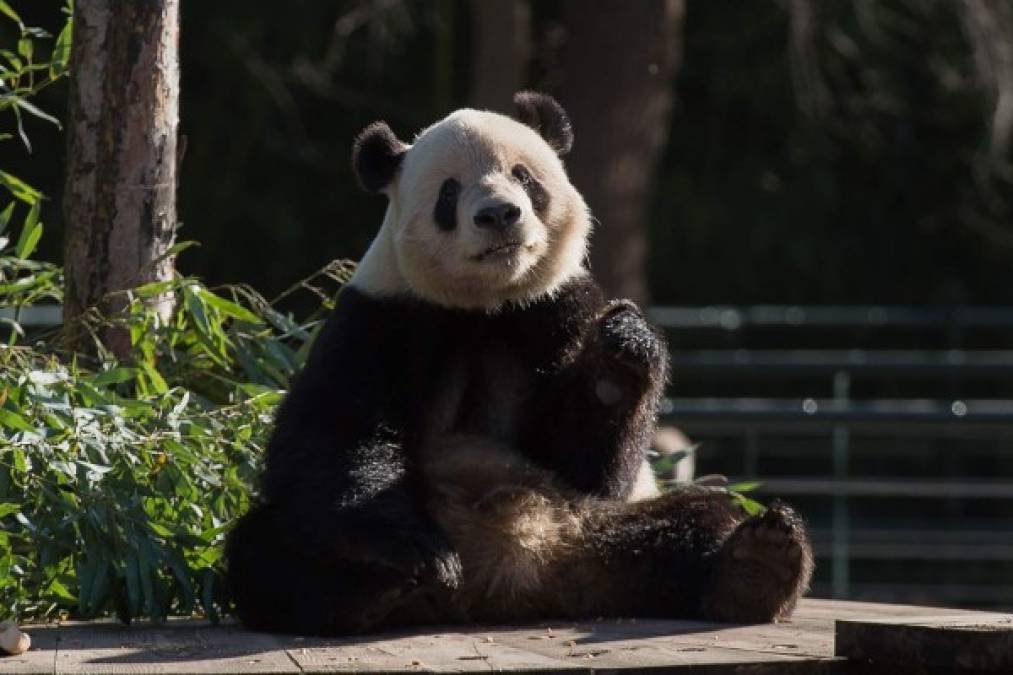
(578, 300)
(561, 315)
(582, 293)
(365, 323)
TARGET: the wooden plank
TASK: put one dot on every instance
(804, 644)
(41, 658)
(173, 648)
(631, 644)
(832, 610)
(979, 641)
(436, 652)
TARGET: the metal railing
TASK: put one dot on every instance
(841, 417)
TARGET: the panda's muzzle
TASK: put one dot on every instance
(503, 250)
(497, 217)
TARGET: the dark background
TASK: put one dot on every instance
(867, 182)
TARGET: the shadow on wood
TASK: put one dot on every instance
(805, 644)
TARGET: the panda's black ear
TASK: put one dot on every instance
(543, 113)
(376, 156)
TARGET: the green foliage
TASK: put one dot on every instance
(119, 479)
(23, 75)
(750, 506)
(664, 466)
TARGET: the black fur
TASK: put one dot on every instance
(376, 156)
(418, 439)
(530, 549)
(445, 211)
(537, 193)
(543, 113)
(341, 541)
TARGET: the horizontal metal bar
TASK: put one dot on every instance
(887, 488)
(730, 317)
(859, 550)
(941, 593)
(836, 411)
(37, 315)
(752, 363)
(950, 533)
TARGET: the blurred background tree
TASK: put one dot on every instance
(807, 150)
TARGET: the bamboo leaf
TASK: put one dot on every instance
(30, 233)
(32, 109)
(61, 51)
(26, 48)
(20, 189)
(5, 216)
(114, 376)
(6, 10)
(231, 309)
(13, 420)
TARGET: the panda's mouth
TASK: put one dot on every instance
(505, 250)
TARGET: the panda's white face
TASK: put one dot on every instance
(481, 214)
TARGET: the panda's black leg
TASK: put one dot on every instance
(532, 551)
(604, 405)
(693, 553)
(282, 581)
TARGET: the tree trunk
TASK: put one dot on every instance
(120, 197)
(500, 52)
(618, 67)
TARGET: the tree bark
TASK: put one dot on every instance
(500, 52)
(120, 196)
(619, 62)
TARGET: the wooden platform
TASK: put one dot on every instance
(806, 644)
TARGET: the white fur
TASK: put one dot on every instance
(646, 485)
(412, 255)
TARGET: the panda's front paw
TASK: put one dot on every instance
(625, 354)
(626, 337)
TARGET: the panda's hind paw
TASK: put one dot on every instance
(771, 541)
(763, 568)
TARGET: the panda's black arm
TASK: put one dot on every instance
(340, 539)
(596, 413)
(336, 460)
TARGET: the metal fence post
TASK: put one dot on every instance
(841, 535)
(840, 574)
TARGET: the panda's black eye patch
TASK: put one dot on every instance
(522, 174)
(445, 213)
(538, 195)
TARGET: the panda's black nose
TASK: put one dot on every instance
(497, 217)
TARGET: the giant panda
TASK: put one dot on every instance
(466, 441)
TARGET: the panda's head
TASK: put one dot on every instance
(481, 211)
